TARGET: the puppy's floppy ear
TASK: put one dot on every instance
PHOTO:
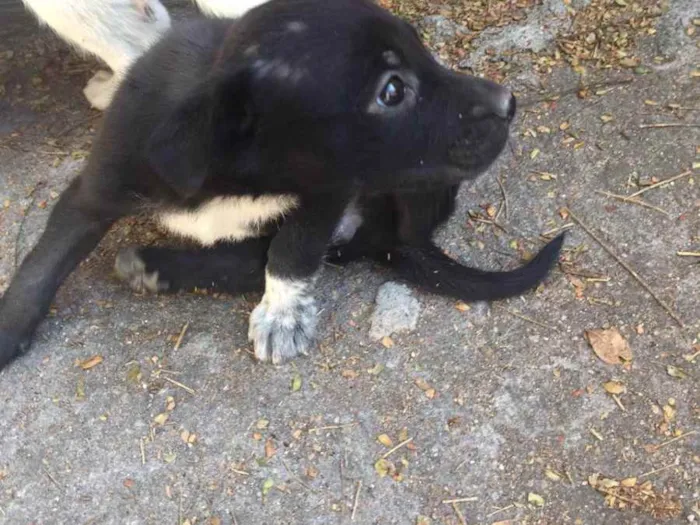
(208, 123)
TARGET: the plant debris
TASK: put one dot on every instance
(627, 494)
(609, 346)
(92, 362)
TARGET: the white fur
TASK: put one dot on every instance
(117, 32)
(227, 8)
(228, 218)
(283, 325)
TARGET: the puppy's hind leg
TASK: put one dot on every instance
(116, 31)
(227, 267)
(76, 224)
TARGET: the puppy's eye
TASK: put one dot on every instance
(393, 92)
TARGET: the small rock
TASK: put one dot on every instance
(396, 310)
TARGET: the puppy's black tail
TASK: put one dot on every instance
(429, 268)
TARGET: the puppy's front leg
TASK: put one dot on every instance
(283, 325)
(76, 225)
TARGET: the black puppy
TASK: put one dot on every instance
(306, 129)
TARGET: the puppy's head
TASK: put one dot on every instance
(313, 92)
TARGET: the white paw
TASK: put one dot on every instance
(283, 325)
(101, 88)
(131, 269)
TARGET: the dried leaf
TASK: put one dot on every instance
(387, 341)
(606, 118)
(430, 392)
(535, 499)
(385, 440)
(554, 476)
(376, 369)
(267, 486)
(262, 424)
(422, 384)
(462, 306)
(676, 372)
(296, 383)
(609, 346)
(628, 482)
(349, 374)
(614, 387)
(270, 449)
(160, 419)
(383, 467)
(90, 363)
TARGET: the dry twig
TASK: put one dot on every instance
(357, 499)
(629, 269)
(177, 383)
(181, 336)
(460, 516)
(397, 447)
(632, 201)
(525, 318)
(660, 183)
(668, 125)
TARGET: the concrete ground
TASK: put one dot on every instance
(488, 414)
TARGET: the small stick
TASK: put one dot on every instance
(556, 230)
(397, 447)
(241, 472)
(460, 500)
(632, 201)
(569, 477)
(181, 336)
(332, 427)
(53, 480)
(660, 183)
(524, 318)
(657, 470)
(177, 383)
(660, 445)
(619, 403)
(357, 499)
(627, 267)
(688, 254)
(669, 125)
(459, 514)
(502, 509)
(505, 196)
(143, 452)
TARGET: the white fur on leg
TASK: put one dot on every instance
(101, 88)
(116, 31)
(227, 8)
(283, 325)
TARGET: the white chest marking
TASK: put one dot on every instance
(228, 218)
